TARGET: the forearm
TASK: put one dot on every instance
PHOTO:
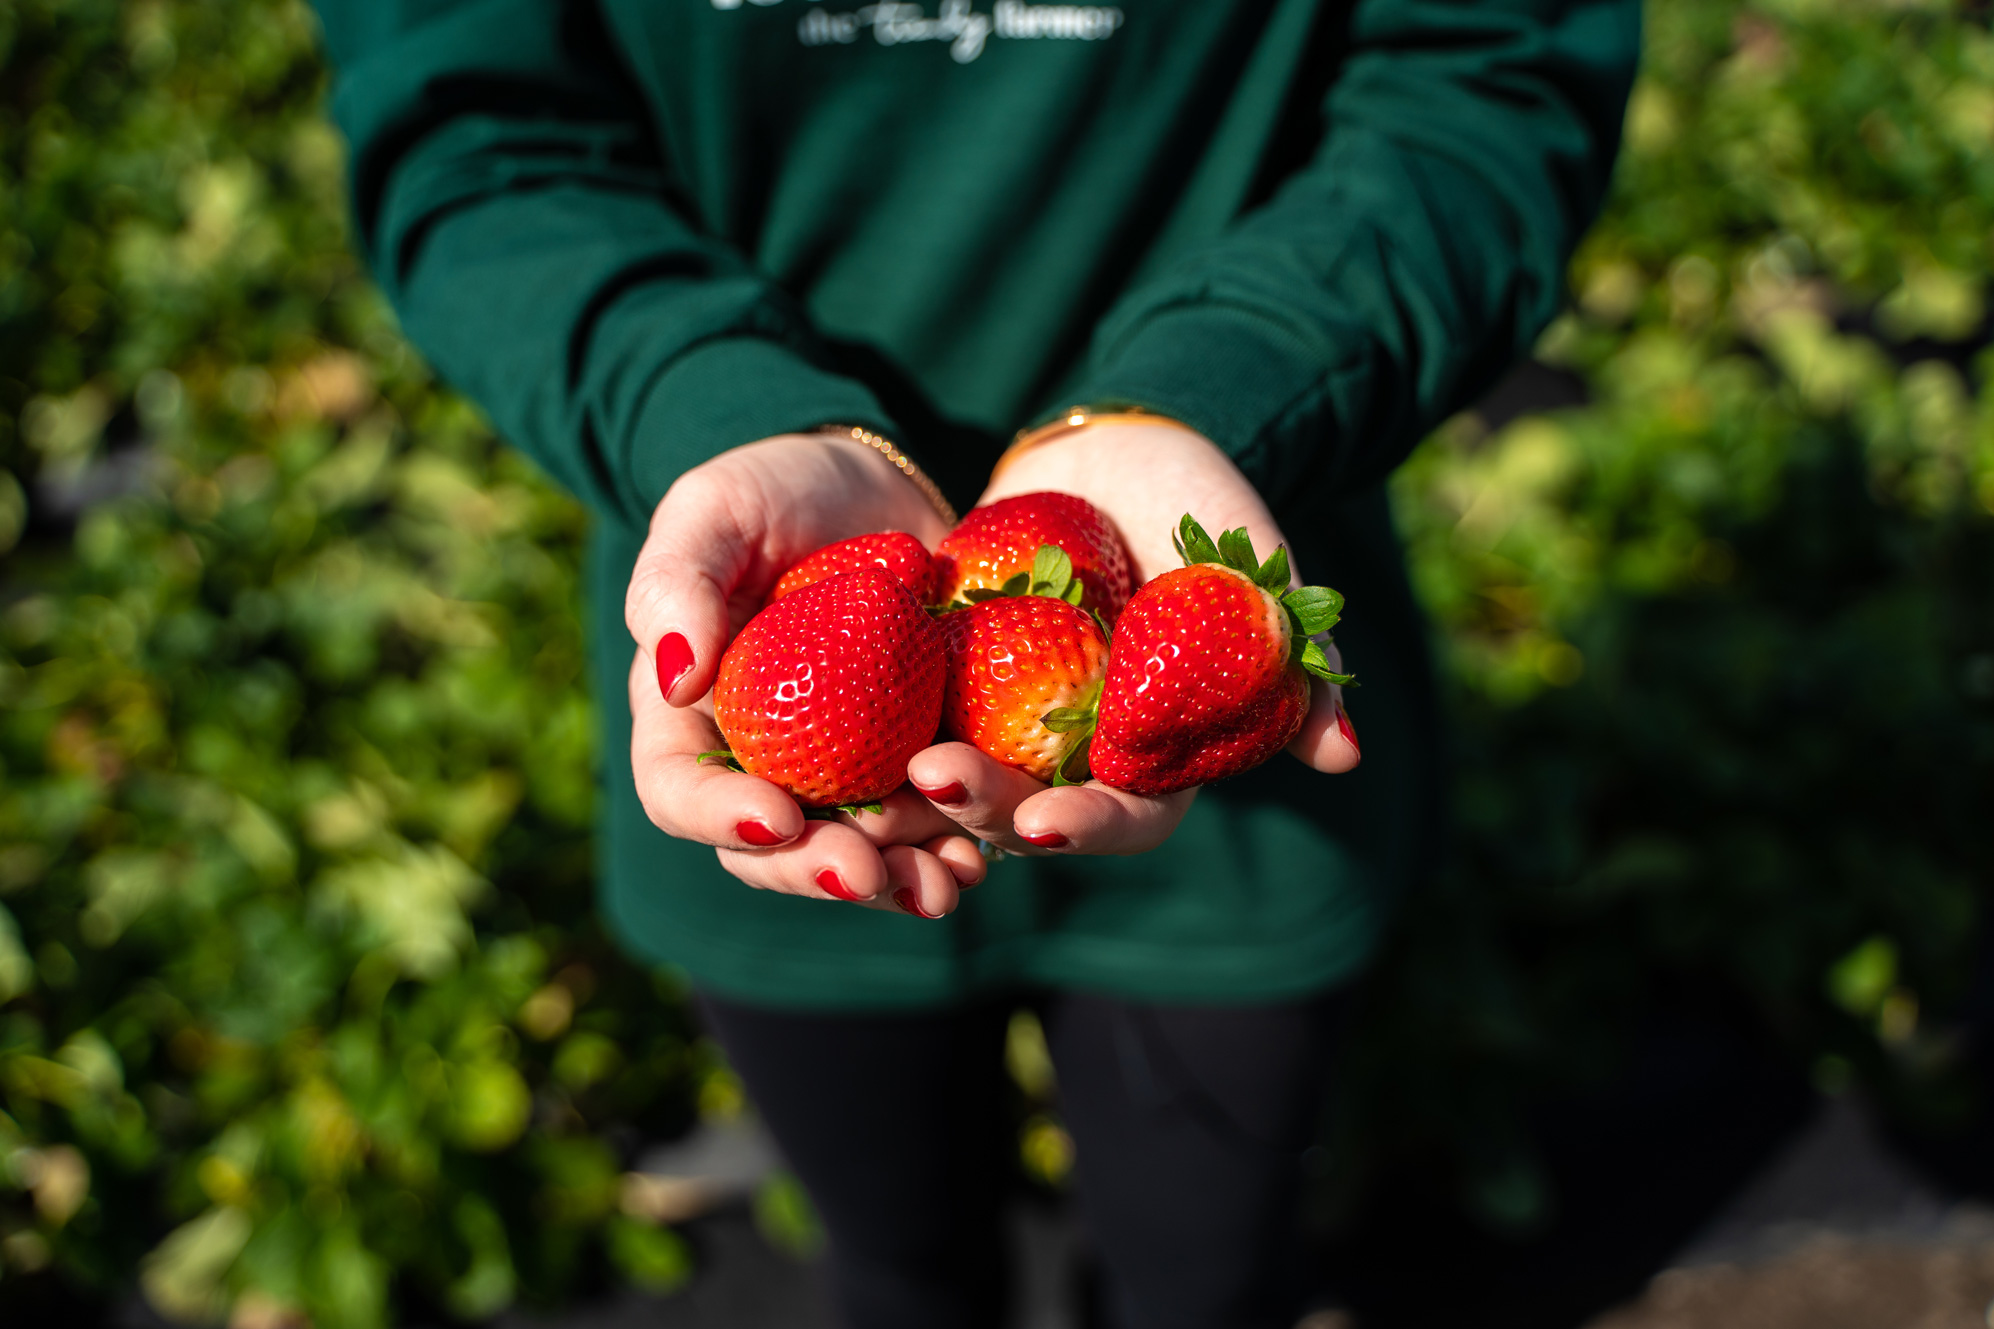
(524, 225)
(1406, 264)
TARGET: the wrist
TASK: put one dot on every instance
(1078, 421)
(884, 449)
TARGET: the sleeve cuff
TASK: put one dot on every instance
(1264, 393)
(734, 390)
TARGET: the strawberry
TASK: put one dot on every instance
(903, 557)
(1208, 676)
(995, 545)
(1024, 672)
(828, 691)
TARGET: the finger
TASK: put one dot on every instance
(694, 800)
(905, 817)
(920, 883)
(963, 857)
(1095, 818)
(1327, 740)
(828, 861)
(677, 606)
(979, 793)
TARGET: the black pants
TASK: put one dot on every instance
(1189, 1125)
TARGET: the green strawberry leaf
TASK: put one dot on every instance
(1273, 574)
(1075, 593)
(1193, 544)
(1072, 769)
(1236, 551)
(1052, 572)
(1017, 585)
(1316, 661)
(724, 757)
(876, 809)
(1315, 608)
(1066, 719)
(976, 595)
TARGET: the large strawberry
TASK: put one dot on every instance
(1208, 676)
(828, 691)
(903, 557)
(992, 550)
(1024, 672)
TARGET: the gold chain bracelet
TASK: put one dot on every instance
(929, 489)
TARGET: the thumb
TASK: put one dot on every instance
(677, 605)
(1327, 740)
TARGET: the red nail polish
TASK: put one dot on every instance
(757, 834)
(1343, 728)
(949, 795)
(674, 659)
(910, 903)
(1048, 840)
(831, 883)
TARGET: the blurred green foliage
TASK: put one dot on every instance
(302, 1008)
(1721, 640)
(299, 992)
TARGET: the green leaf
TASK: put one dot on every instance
(1273, 575)
(1017, 585)
(1072, 768)
(1066, 719)
(1194, 544)
(724, 757)
(854, 809)
(1316, 661)
(1052, 571)
(1236, 550)
(1316, 608)
(976, 595)
(1075, 593)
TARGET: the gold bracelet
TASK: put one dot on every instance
(929, 489)
(1071, 419)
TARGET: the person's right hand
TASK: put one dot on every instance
(719, 540)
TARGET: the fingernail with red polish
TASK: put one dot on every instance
(1048, 840)
(674, 659)
(910, 903)
(1343, 728)
(948, 795)
(831, 883)
(757, 834)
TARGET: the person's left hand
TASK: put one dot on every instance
(1145, 477)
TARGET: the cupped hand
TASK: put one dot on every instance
(1145, 476)
(719, 540)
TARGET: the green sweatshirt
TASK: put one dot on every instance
(641, 232)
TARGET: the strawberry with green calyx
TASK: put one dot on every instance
(1208, 675)
(998, 542)
(897, 553)
(830, 690)
(1025, 666)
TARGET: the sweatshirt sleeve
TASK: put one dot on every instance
(518, 215)
(1412, 257)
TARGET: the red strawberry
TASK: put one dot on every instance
(1209, 672)
(995, 545)
(1023, 675)
(903, 557)
(828, 691)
